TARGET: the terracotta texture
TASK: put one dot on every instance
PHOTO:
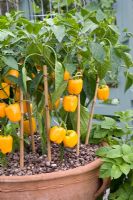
(80, 183)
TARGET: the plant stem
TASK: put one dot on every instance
(63, 123)
(42, 133)
(47, 110)
(21, 131)
(65, 120)
(31, 129)
(78, 125)
(3, 160)
(57, 116)
(91, 113)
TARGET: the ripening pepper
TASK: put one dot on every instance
(13, 112)
(103, 92)
(12, 72)
(4, 91)
(75, 86)
(6, 143)
(2, 110)
(26, 108)
(17, 94)
(70, 103)
(70, 139)
(56, 104)
(67, 76)
(57, 134)
(26, 124)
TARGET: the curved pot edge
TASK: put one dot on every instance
(53, 175)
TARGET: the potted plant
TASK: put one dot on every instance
(44, 63)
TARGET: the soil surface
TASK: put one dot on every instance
(38, 163)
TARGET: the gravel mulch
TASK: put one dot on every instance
(37, 163)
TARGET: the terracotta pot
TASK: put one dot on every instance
(81, 183)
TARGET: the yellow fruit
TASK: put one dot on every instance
(27, 126)
(4, 91)
(2, 110)
(13, 112)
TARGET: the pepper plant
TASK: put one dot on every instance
(84, 44)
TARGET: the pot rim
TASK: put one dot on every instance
(53, 175)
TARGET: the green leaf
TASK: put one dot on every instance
(59, 74)
(37, 27)
(89, 85)
(100, 133)
(118, 161)
(36, 50)
(127, 59)
(125, 116)
(10, 62)
(4, 34)
(108, 160)
(70, 67)
(119, 194)
(58, 92)
(105, 170)
(84, 117)
(12, 79)
(103, 69)
(89, 26)
(92, 6)
(106, 4)
(115, 172)
(97, 51)
(125, 168)
(24, 79)
(108, 123)
(69, 21)
(114, 153)
(102, 151)
(59, 32)
(84, 114)
(35, 82)
(129, 80)
(115, 60)
(11, 128)
(128, 158)
(114, 28)
(126, 149)
(41, 104)
(100, 16)
(118, 132)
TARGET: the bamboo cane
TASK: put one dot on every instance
(47, 110)
(30, 124)
(21, 131)
(91, 113)
(78, 125)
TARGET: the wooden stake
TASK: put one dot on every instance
(31, 129)
(47, 110)
(91, 113)
(21, 131)
(78, 125)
